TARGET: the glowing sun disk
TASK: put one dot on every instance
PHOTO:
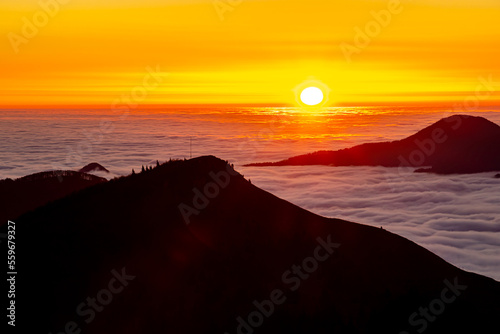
(311, 96)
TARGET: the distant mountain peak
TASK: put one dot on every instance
(93, 167)
(455, 144)
(466, 125)
(468, 119)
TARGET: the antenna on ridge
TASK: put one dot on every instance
(190, 147)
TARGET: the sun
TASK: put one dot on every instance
(312, 96)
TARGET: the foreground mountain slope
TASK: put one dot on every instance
(233, 248)
(456, 144)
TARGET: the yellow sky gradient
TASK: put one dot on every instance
(95, 52)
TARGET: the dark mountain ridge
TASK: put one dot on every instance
(29, 192)
(456, 144)
(198, 249)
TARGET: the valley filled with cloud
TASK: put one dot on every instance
(455, 216)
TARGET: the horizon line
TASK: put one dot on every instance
(416, 104)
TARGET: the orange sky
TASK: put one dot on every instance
(87, 52)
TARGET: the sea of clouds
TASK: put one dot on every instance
(455, 216)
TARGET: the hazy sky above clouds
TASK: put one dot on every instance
(89, 52)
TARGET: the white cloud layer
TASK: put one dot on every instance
(455, 216)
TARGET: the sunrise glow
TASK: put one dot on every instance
(366, 51)
(250, 166)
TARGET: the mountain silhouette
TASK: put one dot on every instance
(193, 247)
(93, 167)
(31, 191)
(456, 144)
